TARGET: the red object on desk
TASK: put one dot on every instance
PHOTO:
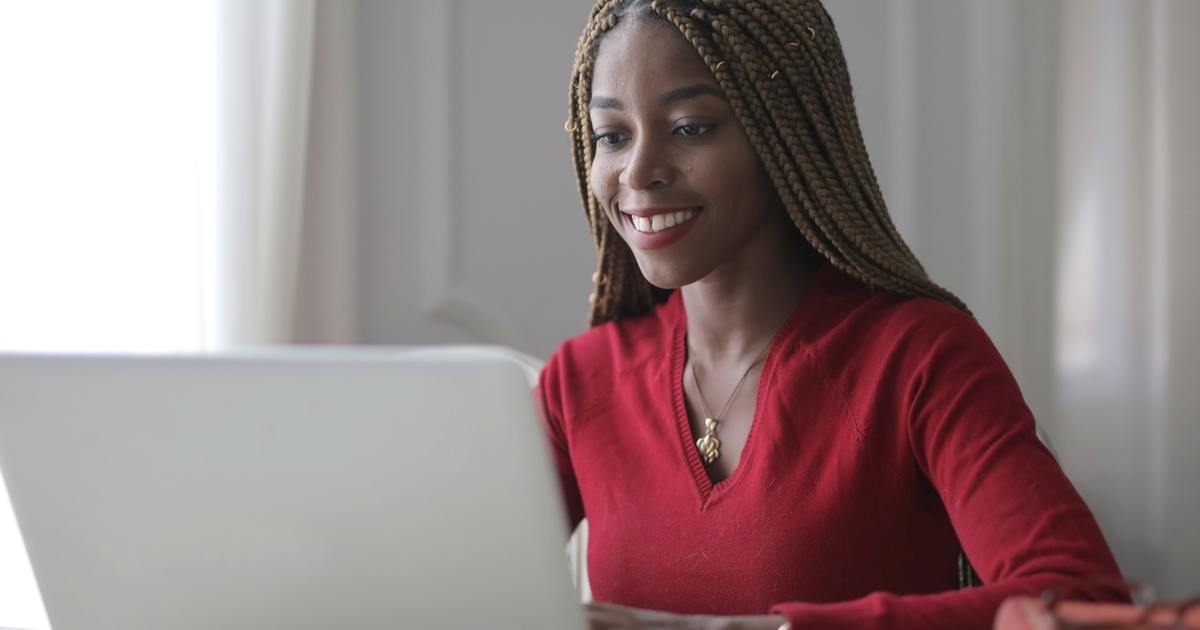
(1028, 613)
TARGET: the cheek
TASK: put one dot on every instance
(718, 178)
(735, 182)
(596, 180)
(602, 181)
(737, 164)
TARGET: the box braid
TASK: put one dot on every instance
(781, 66)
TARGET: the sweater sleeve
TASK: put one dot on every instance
(1020, 521)
(548, 400)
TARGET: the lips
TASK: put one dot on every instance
(654, 228)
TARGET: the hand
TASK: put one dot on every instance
(1023, 613)
(602, 616)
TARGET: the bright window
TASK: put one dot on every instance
(107, 136)
(108, 123)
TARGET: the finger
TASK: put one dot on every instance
(1015, 613)
(1036, 614)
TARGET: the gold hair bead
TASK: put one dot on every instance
(719, 64)
(794, 44)
(812, 33)
(775, 74)
(569, 126)
(595, 277)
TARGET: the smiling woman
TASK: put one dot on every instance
(781, 73)
(671, 144)
(744, 245)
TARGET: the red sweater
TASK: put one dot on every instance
(887, 430)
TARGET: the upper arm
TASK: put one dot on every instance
(1012, 507)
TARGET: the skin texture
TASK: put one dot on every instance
(741, 268)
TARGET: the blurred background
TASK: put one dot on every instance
(208, 175)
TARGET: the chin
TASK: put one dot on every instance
(667, 276)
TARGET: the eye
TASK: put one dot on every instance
(609, 139)
(692, 130)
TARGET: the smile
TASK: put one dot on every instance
(656, 228)
(660, 222)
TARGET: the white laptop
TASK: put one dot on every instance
(287, 489)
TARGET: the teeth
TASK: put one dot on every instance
(660, 222)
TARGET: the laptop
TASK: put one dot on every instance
(290, 489)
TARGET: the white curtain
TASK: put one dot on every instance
(1128, 416)
(265, 70)
(282, 267)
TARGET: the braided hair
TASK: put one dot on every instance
(781, 66)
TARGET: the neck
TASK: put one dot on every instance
(733, 312)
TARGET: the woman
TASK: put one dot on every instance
(776, 416)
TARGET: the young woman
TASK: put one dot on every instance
(776, 417)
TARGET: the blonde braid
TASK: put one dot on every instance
(740, 52)
(839, 92)
(849, 237)
(864, 251)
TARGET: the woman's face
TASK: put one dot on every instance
(673, 168)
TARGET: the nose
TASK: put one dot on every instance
(647, 166)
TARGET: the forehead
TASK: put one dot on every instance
(646, 57)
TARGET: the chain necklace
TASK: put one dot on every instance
(708, 444)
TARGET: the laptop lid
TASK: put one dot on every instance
(285, 489)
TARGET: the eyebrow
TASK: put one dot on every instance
(678, 94)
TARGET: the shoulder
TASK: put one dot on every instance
(882, 342)
(922, 323)
(919, 361)
(924, 354)
(858, 319)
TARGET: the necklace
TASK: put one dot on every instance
(708, 444)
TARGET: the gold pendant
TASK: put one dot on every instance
(708, 444)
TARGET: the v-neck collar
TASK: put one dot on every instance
(709, 493)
